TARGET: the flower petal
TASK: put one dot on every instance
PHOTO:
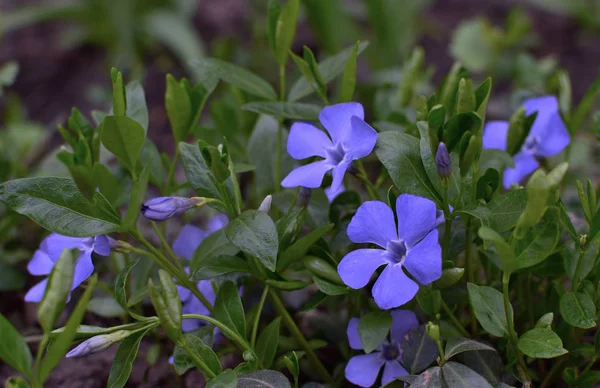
(336, 118)
(101, 245)
(544, 105)
(495, 134)
(352, 333)
(55, 244)
(373, 223)
(83, 268)
(525, 164)
(360, 140)
(310, 175)
(188, 240)
(417, 216)
(357, 267)
(391, 370)
(184, 293)
(556, 137)
(402, 322)
(306, 140)
(206, 288)
(424, 260)
(36, 293)
(363, 369)
(217, 222)
(40, 263)
(338, 175)
(331, 194)
(393, 288)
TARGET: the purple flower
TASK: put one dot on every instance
(47, 255)
(363, 369)
(351, 138)
(331, 194)
(163, 208)
(548, 137)
(413, 246)
(192, 305)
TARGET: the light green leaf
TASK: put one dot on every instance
(124, 137)
(373, 328)
(541, 343)
(138, 195)
(57, 291)
(13, 348)
(123, 362)
(488, 305)
(229, 309)
(578, 309)
(136, 104)
(268, 341)
(179, 108)
(507, 256)
(227, 379)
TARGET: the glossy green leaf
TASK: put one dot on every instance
(457, 345)
(373, 328)
(459, 124)
(122, 364)
(57, 205)
(298, 249)
(449, 277)
(197, 172)
(578, 309)
(459, 376)
(348, 82)
(57, 290)
(263, 379)
(418, 350)
(541, 343)
(124, 137)
(13, 348)
(285, 30)
(254, 233)
(268, 341)
(488, 305)
(286, 110)
(229, 309)
(179, 108)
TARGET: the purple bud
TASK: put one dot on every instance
(163, 208)
(265, 206)
(442, 161)
(97, 344)
(304, 196)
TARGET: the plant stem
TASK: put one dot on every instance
(261, 303)
(171, 174)
(455, 320)
(299, 337)
(554, 371)
(198, 360)
(225, 329)
(363, 177)
(512, 334)
(280, 130)
(38, 361)
(470, 264)
(167, 247)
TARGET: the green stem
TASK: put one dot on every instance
(455, 320)
(225, 329)
(171, 174)
(167, 247)
(261, 303)
(512, 334)
(38, 361)
(363, 177)
(299, 337)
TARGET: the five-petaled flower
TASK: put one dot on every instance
(413, 245)
(548, 137)
(351, 138)
(47, 255)
(363, 369)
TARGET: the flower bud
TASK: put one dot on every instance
(265, 205)
(433, 331)
(98, 343)
(442, 161)
(163, 208)
(304, 196)
(119, 245)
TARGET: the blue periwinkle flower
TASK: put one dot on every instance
(47, 255)
(363, 369)
(548, 137)
(163, 208)
(351, 138)
(413, 246)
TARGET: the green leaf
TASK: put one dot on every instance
(578, 309)
(585, 105)
(150, 157)
(211, 267)
(459, 376)
(541, 343)
(430, 300)
(482, 95)
(458, 345)
(263, 379)
(273, 11)
(330, 288)
(507, 256)
(400, 154)
(197, 346)
(105, 306)
(212, 255)
(285, 30)
(57, 291)
(538, 191)
(121, 288)
(58, 348)
(539, 242)
(118, 94)
(124, 137)
(182, 360)
(123, 362)
(136, 104)
(229, 309)
(106, 182)
(431, 378)
(465, 98)
(545, 321)
(254, 233)
(329, 69)
(238, 77)
(298, 249)
(488, 305)
(348, 83)
(179, 108)
(15, 381)
(314, 301)
(197, 172)
(227, 379)
(418, 350)
(459, 124)
(373, 328)
(57, 205)
(138, 195)
(428, 157)
(286, 110)
(449, 277)
(268, 341)
(13, 348)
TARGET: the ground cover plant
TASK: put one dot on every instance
(321, 234)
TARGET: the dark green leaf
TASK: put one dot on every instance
(418, 350)
(330, 288)
(268, 341)
(57, 291)
(11, 278)
(179, 108)
(263, 379)
(314, 301)
(197, 172)
(227, 379)
(15, 381)
(455, 346)
(123, 362)
(585, 105)
(578, 309)
(13, 348)
(254, 233)
(150, 157)
(57, 205)
(430, 300)
(459, 376)
(210, 358)
(488, 305)
(298, 250)
(214, 254)
(273, 11)
(458, 125)
(373, 329)
(428, 157)
(541, 343)
(121, 288)
(106, 182)
(229, 309)
(487, 364)
(211, 267)
(124, 137)
(348, 83)
(539, 242)
(285, 110)
(181, 358)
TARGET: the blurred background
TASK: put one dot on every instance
(57, 54)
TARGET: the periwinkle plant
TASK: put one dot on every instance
(422, 246)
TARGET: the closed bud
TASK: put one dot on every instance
(442, 161)
(97, 344)
(163, 208)
(516, 132)
(304, 196)
(433, 331)
(265, 205)
(119, 245)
